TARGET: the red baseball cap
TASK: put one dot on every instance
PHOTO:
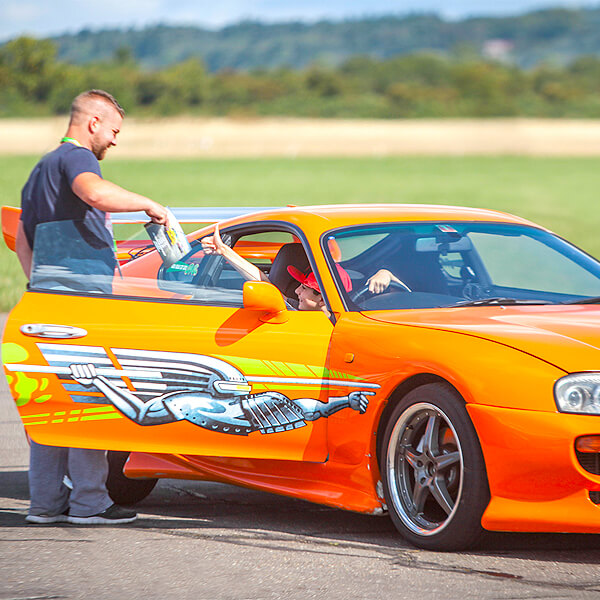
(311, 281)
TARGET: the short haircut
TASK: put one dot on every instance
(81, 104)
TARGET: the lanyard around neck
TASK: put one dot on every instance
(71, 140)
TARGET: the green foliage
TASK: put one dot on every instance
(426, 84)
(69, 82)
(558, 34)
(323, 82)
(32, 65)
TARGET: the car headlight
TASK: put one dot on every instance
(578, 393)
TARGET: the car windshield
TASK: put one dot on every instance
(456, 264)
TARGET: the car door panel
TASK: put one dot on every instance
(222, 365)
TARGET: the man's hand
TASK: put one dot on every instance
(359, 401)
(83, 374)
(379, 282)
(157, 213)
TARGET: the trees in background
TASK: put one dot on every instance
(33, 82)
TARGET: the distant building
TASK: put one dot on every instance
(497, 49)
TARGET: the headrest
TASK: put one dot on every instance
(289, 254)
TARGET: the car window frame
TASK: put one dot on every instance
(236, 232)
(277, 225)
(243, 229)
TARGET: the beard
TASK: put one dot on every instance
(100, 150)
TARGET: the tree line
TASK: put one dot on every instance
(34, 82)
(557, 34)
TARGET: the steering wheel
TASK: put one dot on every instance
(399, 286)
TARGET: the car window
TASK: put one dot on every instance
(528, 263)
(202, 277)
(73, 256)
(451, 264)
(211, 278)
(354, 245)
(261, 248)
(426, 265)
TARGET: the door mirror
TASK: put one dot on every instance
(263, 296)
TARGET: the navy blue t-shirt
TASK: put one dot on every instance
(47, 195)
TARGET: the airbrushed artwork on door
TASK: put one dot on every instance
(154, 387)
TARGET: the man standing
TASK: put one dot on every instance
(67, 185)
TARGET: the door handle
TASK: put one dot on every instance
(45, 330)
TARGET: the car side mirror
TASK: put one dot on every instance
(264, 296)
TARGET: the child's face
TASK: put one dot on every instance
(308, 299)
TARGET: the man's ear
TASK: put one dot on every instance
(93, 124)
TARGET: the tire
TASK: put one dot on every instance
(121, 489)
(433, 471)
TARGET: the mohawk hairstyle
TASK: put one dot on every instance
(81, 102)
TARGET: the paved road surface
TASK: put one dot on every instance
(206, 541)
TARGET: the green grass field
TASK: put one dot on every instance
(559, 193)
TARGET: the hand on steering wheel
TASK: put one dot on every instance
(380, 282)
(394, 286)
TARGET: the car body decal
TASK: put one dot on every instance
(155, 387)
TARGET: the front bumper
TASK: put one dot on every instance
(536, 481)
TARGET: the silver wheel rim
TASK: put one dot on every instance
(424, 467)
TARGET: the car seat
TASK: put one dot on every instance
(289, 254)
(422, 272)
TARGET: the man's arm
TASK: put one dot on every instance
(23, 250)
(109, 197)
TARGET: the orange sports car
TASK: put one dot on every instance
(452, 377)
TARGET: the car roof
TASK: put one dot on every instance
(315, 220)
(327, 217)
(335, 214)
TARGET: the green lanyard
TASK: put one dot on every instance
(71, 140)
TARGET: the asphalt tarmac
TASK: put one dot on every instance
(208, 541)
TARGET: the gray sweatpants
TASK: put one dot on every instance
(87, 469)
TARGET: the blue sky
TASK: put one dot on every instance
(49, 17)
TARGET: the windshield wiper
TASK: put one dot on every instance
(498, 301)
(594, 300)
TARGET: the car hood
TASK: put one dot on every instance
(566, 336)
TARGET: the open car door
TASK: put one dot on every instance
(193, 373)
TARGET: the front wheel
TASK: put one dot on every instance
(433, 472)
(121, 489)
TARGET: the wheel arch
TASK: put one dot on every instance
(455, 521)
(401, 390)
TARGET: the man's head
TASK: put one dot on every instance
(96, 119)
(309, 293)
